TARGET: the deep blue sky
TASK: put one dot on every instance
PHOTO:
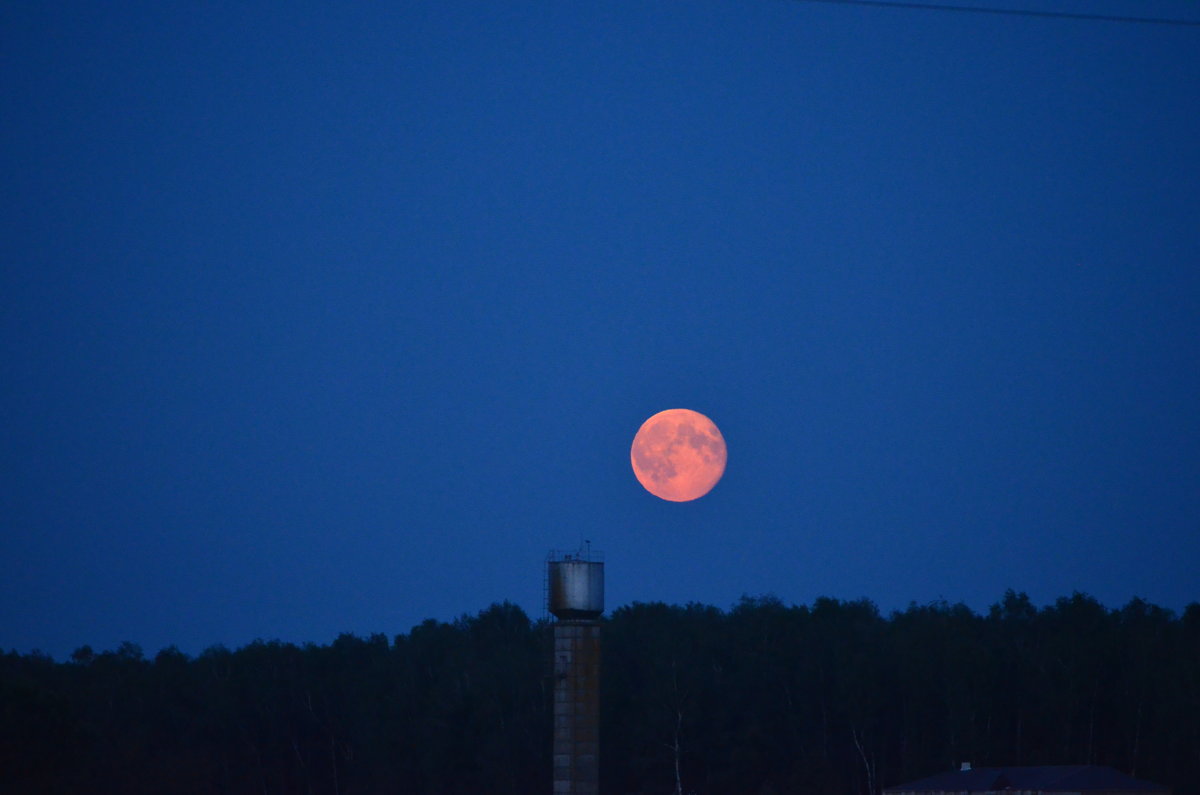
(327, 318)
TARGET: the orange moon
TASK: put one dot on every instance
(678, 455)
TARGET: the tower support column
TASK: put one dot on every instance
(576, 707)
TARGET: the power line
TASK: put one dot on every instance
(1012, 12)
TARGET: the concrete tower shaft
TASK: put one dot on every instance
(576, 708)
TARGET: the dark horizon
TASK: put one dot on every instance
(762, 698)
(1190, 611)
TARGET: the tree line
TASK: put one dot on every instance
(762, 698)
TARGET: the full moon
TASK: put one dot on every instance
(678, 455)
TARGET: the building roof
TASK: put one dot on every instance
(1045, 778)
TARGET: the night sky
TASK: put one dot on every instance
(322, 318)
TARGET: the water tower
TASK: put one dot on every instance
(575, 595)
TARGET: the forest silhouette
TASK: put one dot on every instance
(759, 699)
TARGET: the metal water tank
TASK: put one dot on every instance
(576, 588)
